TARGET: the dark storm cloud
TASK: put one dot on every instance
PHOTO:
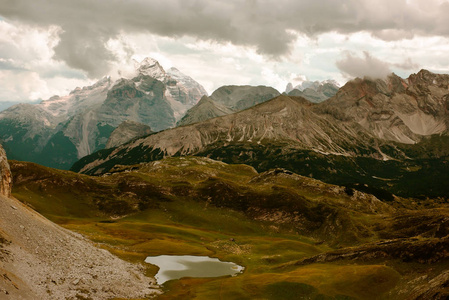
(265, 25)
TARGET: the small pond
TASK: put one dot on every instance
(179, 266)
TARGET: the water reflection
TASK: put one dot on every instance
(179, 266)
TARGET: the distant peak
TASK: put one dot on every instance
(289, 87)
(204, 99)
(151, 67)
(148, 61)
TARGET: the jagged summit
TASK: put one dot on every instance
(394, 109)
(151, 67)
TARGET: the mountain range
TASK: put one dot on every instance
(372, 132)
(60, 130)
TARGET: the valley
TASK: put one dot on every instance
(295, 236)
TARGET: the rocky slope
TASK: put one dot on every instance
(40, 260)
(127, 131)
(226, 100)
(60, 130)
(261, 124)
(395, 109)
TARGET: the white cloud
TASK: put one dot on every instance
(367, 66)
(27, 68)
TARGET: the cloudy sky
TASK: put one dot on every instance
(49, 47)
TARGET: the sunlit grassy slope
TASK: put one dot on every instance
(276, 224)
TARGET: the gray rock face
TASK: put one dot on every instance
(5, 175)
(127, 131)
(395, 109)
(226, 100)
(289, 88)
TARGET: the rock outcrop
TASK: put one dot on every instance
(5, 174)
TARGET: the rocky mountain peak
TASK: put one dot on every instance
(367, 87)
(427, 78)
(5, 175)
(289, 87)
(151, 67)
(314, 91)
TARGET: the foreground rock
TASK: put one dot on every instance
(40, 260)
